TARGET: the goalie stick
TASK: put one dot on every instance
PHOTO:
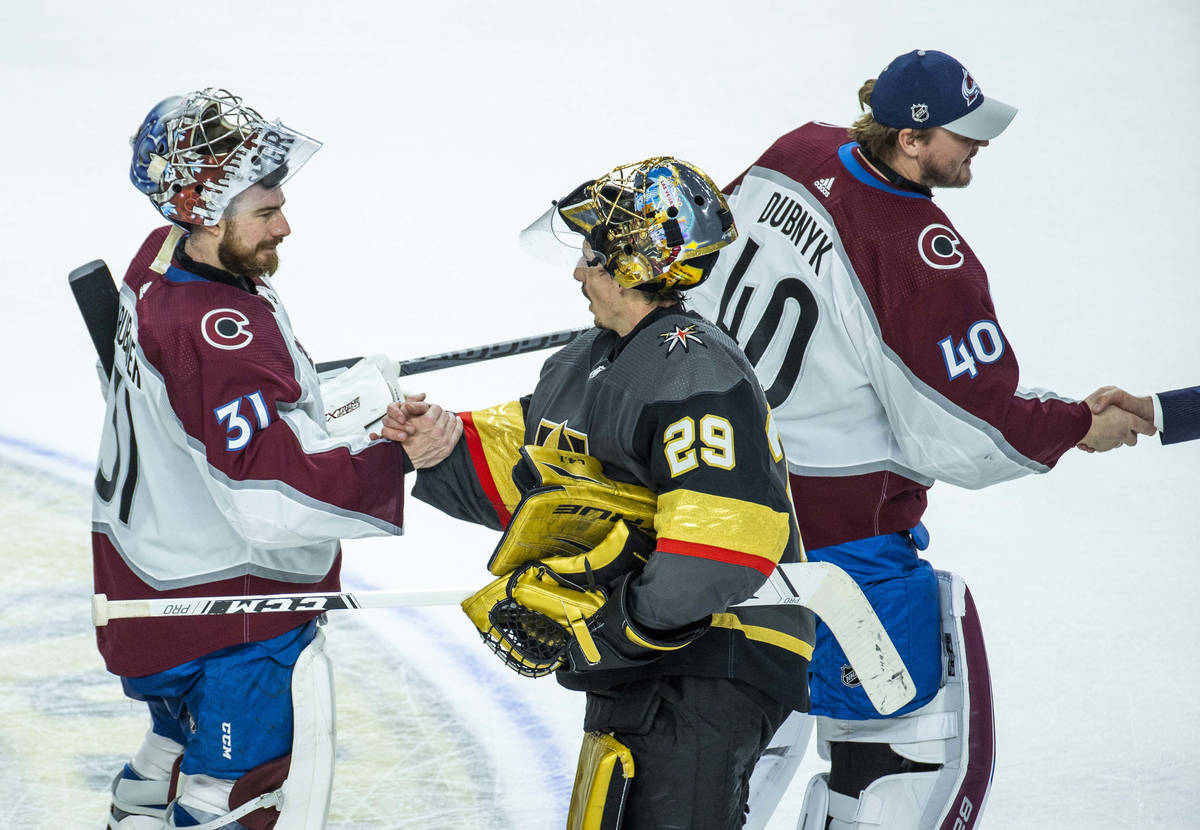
(417, 365)
(105, 609)
(98, 300)
(820, 586)
(835, 597)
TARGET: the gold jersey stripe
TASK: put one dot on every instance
(717, 521)
(763, 634)
(500, 433)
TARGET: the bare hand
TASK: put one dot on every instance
(435, 434)
(1107, 396)
(397, 420)
(1114, 425)
(427, 431)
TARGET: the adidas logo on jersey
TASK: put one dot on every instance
(824, 185)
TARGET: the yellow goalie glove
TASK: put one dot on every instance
(551, 614)
(569, 506)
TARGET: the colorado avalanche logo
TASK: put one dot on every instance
(938, 245)
(970, 89)
(226, 328)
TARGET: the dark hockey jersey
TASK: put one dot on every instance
(870, 323)
(216, 475)
(674, 407)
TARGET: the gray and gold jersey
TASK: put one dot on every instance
(674, 407)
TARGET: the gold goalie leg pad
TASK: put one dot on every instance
(602, 782)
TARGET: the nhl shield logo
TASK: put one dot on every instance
(920, 113)
(850, 678)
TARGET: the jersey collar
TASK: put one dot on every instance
(208, 272)
(896, 184)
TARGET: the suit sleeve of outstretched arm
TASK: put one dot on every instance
(249, 423)
(474, 483)
(949, 381)
(1181, 414)
(723, 519)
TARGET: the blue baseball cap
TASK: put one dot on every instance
(924, 89)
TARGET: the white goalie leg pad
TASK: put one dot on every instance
(895, 802)
(142, 787)
(814, 812)
(954, 730)
(206, 800)
(776, 767)
(303, 798)
(309, 784)
(140, 823)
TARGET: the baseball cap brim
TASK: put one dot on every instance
(985, 122)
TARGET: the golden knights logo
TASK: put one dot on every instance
(561, 437)
(684, 337)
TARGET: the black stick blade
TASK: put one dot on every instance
(97, 298)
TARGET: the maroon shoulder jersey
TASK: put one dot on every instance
(216, 475)
(871, 326)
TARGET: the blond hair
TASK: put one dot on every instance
(877, 139)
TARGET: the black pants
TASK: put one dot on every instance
(694, 741)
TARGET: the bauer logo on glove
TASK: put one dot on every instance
(569, 506)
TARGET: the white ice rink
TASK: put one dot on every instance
(448, 126)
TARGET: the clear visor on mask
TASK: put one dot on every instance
(275, 154)
(553, 240)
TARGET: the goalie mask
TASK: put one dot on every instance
(194, 154)
(652, 223)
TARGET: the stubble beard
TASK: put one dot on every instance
(932, 176)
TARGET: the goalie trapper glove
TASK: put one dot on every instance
(551, 614)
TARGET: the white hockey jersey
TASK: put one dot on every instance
(870, 324)
(216, 475)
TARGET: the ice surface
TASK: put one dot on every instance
(448, 127)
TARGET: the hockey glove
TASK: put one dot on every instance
(552, 613)
(356, 400)
(569, 506)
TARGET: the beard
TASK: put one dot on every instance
(934, 176)
(259, 261)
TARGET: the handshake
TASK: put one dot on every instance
(1117, 418)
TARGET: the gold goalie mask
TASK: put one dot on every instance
(656, 222)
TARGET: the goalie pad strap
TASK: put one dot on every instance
(602, 780)
(583, 637)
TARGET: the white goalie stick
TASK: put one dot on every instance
(105, 609)
(824, 588)
(96, 295)
(831, 594)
